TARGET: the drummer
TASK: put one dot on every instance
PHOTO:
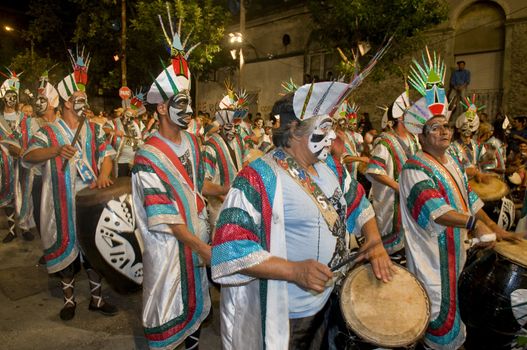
(225, 151)
(347, 124)
(168, 187)
(439, 208)
(389, 154)
(287, 217)
(66, 170)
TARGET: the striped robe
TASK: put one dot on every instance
(8, 165)
(24, 203)
(58, 224)
(220, 167)
(250, 229)
(388, 158)
(435, 253)
(175, 288)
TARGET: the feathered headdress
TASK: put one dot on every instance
(136, 103)
(176, 77)
(232, 106)
(12, 83)
(428, 80)
(470, 116)
(326, 97)
(288, 87)
(47, 89)
(348, 110)
(77, 80)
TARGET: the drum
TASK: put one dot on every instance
(393, 314)
(492, 190)
(108, 236)
(497, 206)
(493, 295)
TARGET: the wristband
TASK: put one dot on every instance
(471, 222)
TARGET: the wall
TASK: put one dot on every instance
(503, 21)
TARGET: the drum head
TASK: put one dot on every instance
(392, 314)
(88, 197)
(492, 190)
(515, 252)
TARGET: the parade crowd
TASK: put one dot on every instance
(278, 209)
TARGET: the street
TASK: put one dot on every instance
(31, 302)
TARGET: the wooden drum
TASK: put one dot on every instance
(393, 314)
(107, 234)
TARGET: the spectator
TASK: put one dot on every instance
(459, 82)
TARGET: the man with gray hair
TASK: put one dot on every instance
(284, 225)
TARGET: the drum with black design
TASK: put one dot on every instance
(108, 235)
(498, 206)
(493, 295)
(393, 314)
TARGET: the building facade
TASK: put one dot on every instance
(490, 36)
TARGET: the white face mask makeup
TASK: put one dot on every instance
(322, 136)
(179, 109)
(41, 104)
(10, 99)
(229, 130)
(80, 104)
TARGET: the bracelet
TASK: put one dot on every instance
(471, 222)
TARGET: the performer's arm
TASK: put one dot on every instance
(385, 180)
(103, 180)
(183, 235)
(308, 274)
(374, 251)
(212, 189)
(42, 154)
(500, 232)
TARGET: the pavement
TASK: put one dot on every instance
(30, 302)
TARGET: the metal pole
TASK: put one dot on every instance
(123, 42)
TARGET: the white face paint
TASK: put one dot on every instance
(322, 136)
(80, 104)
(10, 99)
(229, 130)
(179, 109)
(41, 105)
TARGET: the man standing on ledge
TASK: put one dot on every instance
(459, 82)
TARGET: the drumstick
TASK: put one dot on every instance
(126, 136)
(349, 260)
(76, 137)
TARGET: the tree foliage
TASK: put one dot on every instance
(345, 23)
(58, 25)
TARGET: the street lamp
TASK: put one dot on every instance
(8, 28)
(236, 40)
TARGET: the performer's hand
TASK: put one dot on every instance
(382, 265)
(310, 274)
(67, 151)
(501, 234)
(101, 182)
(205, 252)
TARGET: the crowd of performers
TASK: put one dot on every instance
(272, 208)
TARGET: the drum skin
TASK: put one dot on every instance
(485, 288)
(393, 314)
(91, 204)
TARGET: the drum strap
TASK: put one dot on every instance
(302, 178)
